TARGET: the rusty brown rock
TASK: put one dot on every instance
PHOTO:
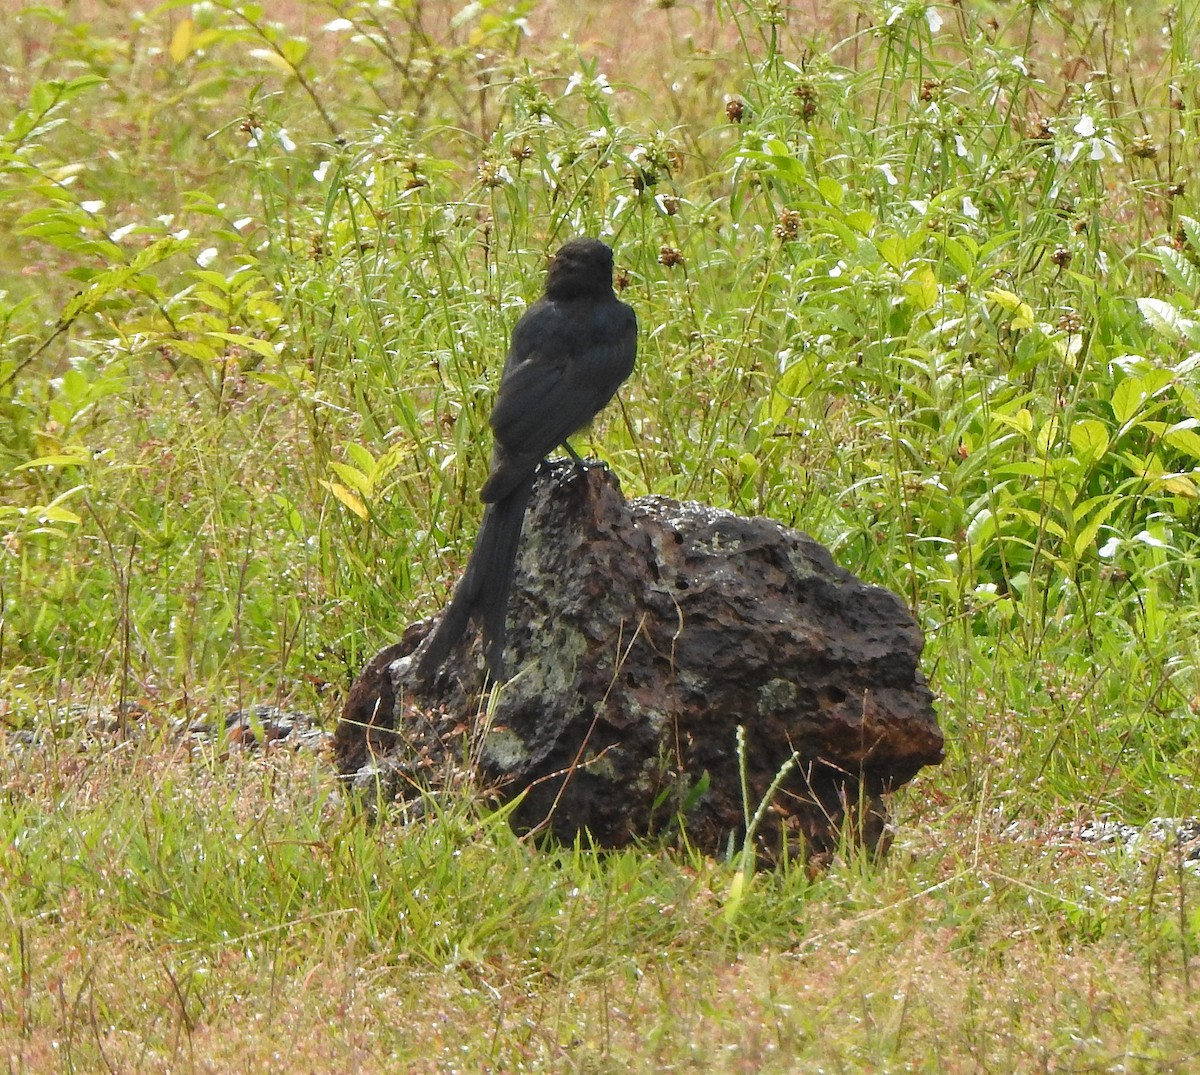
(641, 635)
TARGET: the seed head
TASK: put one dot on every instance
(788, 227)
(669, 257)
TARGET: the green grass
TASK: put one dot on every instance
(923, 282)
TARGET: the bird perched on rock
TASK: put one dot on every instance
(570, 352)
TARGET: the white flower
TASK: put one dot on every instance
(321, 171)
(256, 137)
(285, 140)
(969, 208)
(91, 207)
(242, 223)
(960, 146)
(573, 83)
(1147, 538)
(336, 26)
(888, 174)
(206, 257)
(1109, 549)
(934, 18)
(1097, 145)
(121, 232)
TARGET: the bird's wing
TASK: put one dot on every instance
(563, 367)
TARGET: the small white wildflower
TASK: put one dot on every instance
(92, 206)
(256, 137)
(934, 18)
(336, 26)
(181, 234)
(1147, 538)
(121, 232)
(1109, 549)
(969, 208)
(242, 223)
(285, 140)
(1086, 126)
(573, 83)
(888, 174)
(206, 257)
(166, 219)
(894, 14)
(960, 146)
(601, 83)
(321, 171)
(1019, 63)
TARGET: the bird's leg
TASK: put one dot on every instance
(582, 466)
(580, 463)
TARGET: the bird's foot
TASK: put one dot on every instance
(557, 463)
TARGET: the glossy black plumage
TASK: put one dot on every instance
(569, 354)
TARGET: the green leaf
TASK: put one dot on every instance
(958, 255)
(861, 221)
(1178, 269)
(831, 190)
(353, 477)
(55, 461)
(1089, 438)
(1021, 421)
(1130, 396)
(1191, 228)
(1127, 400)
(1168, 321)
(892, 249)
(182, 41)
(250, 343)
(1183, 435)
(1047, 436)
(921, 287)
(294, 50)
(348, 498)
(1022, 312)
(360, 455)
(1104, 507)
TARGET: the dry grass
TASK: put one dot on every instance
(978, 946)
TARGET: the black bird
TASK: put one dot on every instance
(570, 352)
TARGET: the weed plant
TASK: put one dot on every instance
(922, 280)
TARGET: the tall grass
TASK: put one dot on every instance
(919, 279)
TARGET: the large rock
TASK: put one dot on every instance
(641, 635)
